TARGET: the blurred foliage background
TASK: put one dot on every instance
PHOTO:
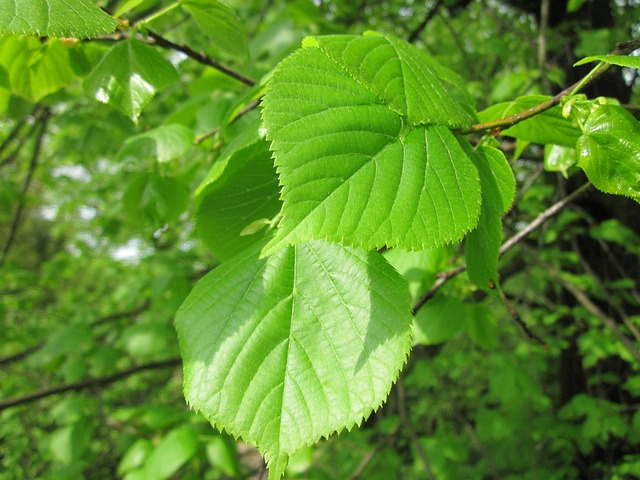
(99, 248)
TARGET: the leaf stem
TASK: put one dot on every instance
(624, 48)
(159, 13)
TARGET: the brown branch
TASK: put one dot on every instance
(624, 48)
(100, 321)
(507, 245)
(247, 108)
(413, 36)
(90, 383)
(199, 57)
(518, 319)
(17, 217)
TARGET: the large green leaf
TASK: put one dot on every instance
(360, 134)
(34, 69)
(129, 76)
(220, 24)
(482, 246)
(289, 349)
(546, 127)
(54, 18)
(609, 151)
(241, 188)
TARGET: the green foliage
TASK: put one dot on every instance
(323, 216)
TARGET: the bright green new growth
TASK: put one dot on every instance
(289, 349)
(360, 130)
(54, 18)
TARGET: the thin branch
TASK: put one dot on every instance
(199, 57)
(413, 36)
(90, 383)
(542, 43)
(624, 48)
(406, 422)
(518, 319)
(507, 245)
(586, 302)
(247, 108)
(17, 217)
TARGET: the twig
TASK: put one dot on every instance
(518, 319)
(507, 245)
(542, 43)
(93, 382)
(199, 57)
(404, 418)
(413, 36)
(17, 217)
(622, 49)
(247, 108)
(586, 302)
(100, 321)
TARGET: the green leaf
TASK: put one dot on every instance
(362, 157)
(291, 348)
(180, 445)
(482, 326)
(5, 92)
(220, 24)
(128, 77)
(482, 245)
(609, 151)
(54, 18)
(621, 60)
(439, 320)
(240, 190)
(559, 159)
(34, 69)
(163, 143)
(546, 127)
(155, 199)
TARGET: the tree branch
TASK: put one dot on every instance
(93, 382)
(199, 57)
(25, 187)
(413, 36)
(624, 48)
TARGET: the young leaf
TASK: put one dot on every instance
(482, 245)
(620, 60)
(558, 158)
(220, 24)
(129, 76)
(609, 151)
(54, 18)
(547, 127)
(359, 130)
(288, 349)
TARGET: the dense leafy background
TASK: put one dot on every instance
(119, 161)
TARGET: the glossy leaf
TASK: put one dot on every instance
(54, 18)
(482, 245)
(163, 143)
(288, 349)
(128, 77)
(241, 189)
(359, 130)
(220, 24)
(559, 159)
(546, 127)
(609, 151)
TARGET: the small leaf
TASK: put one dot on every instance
(172, 452)
(609, 151)
(621, 60)
(54, 18)
(220, 23)
(482, 245)
(289, 349)
(439, 320)
(546, 127)
(559, 159)
(128, 77)
(163, 143)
